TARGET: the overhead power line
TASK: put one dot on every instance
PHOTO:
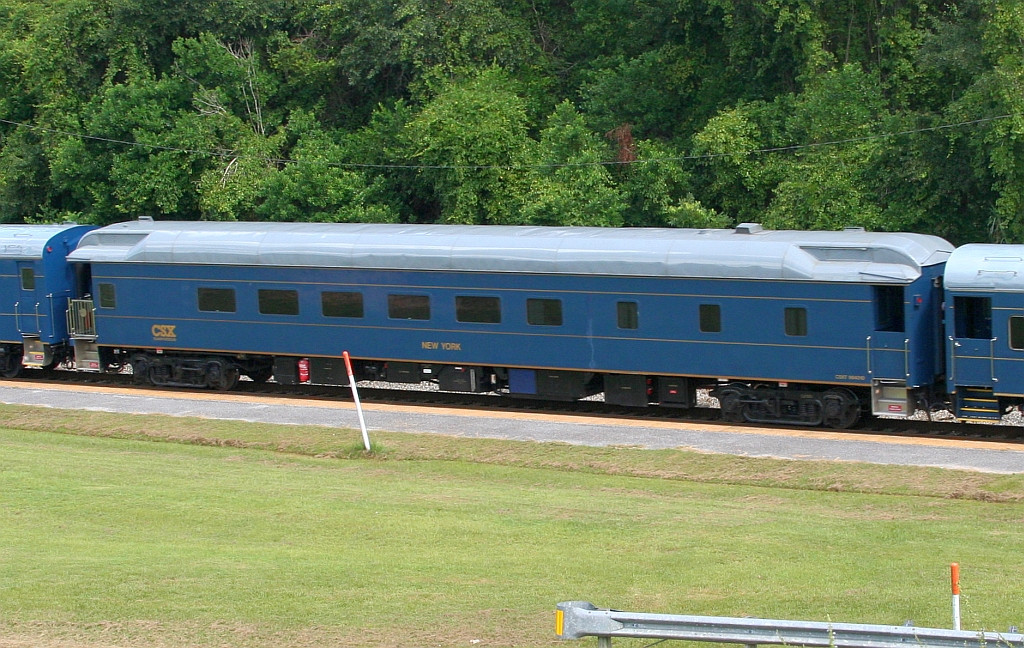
(481, 167)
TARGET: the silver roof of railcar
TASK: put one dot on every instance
(991, 268)
(746, 252)
(29, 241)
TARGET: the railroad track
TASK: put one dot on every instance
(1010, 431)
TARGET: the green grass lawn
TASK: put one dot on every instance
(256, 535)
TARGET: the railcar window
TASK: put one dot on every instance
(1017, 333)
(279, 302)
(410, 307)
(628, 315)
(889, 308)
(796, 321)
(108, 298)
(973, 317)
(544, 312)
(478, 310)
(341, 304)
(217, 300)
(28, 279)
(710, 318)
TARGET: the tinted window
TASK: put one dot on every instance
(544, 312)
(710, 318)
(342, 304)
(889, 308)
(107, 297)
(28, 279)
(973, 317)
(1017, 333)
(796, 321)
(279, 302)
(628, 314)
(482, 310)
(217, 300)
(411, 307)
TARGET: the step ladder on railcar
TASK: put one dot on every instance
(977, 404)
(82, 328)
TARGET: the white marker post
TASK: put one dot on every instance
(954, 571)
(355, 397)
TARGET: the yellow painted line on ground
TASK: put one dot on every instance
(828, 435)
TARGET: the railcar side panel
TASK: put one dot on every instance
(721, 328)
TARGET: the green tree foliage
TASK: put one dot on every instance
(314, 186)
(470, 141)
(132, 163)
(1004, 87)
(570, 186)
(892, 114)
(735, 177)
(822, 187)
(385, 50)
(23, 176)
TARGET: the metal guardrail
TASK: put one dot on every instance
(578, 619)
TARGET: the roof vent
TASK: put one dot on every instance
(145, 219)
(854, 229)
(749, 228)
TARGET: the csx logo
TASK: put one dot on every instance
(164, 332)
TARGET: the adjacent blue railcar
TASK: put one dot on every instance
(805, 327)
(35, 285)
(985, 330)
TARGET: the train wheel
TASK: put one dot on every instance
(158, 375)
(140, 371)
(841, 409)
(11, 367)
(732, 407)
(221, 377)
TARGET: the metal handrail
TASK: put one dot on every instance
(869, 355)
(18, 318)
(55, 301)
(953, 344)
(992, 358)
(578, 619)
(906, 357)
(53, 316)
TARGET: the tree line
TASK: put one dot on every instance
(821, 114)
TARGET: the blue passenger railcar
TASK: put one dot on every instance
(985, 329)
(35, 285)
(795, 326)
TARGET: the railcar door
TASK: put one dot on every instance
(888, 345)
(972, 345)
(27, 304)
